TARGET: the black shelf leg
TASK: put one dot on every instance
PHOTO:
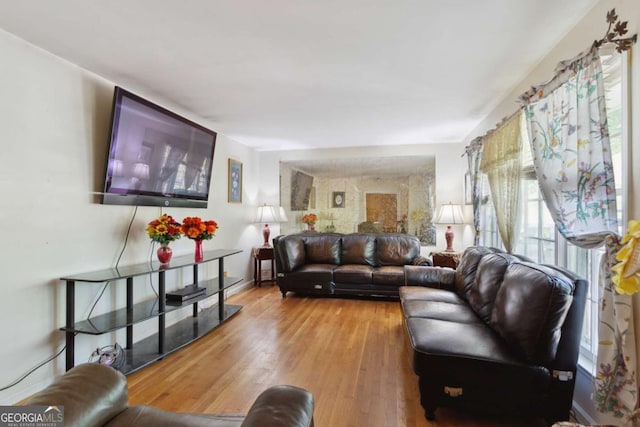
(130, 312)
(71, 320)
(221, 286)
(195, 282)
(161, 310)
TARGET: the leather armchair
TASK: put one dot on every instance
(96, 395)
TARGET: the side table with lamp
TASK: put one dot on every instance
(266, 214)
(448, 214)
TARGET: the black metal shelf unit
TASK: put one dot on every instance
(167, 339)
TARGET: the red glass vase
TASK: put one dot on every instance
(199, 256)
(164, 253)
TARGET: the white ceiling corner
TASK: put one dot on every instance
(291, 74)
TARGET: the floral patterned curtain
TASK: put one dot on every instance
(502, 162)
(567, 125)
(474, 157)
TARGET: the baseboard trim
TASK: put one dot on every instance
(581, 415)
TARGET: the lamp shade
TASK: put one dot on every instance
(449, 214)
(267, 213)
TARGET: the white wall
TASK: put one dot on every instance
(590, 28)
(54, 134)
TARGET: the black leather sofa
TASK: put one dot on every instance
(334, 263)
(497, 334)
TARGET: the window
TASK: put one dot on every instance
(489, 235)
(539, 239)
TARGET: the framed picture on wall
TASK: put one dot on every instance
(337, 199)
(235, 181)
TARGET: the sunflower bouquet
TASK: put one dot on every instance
(164, 229)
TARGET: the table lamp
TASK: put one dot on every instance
(269, 214)
(449, 214)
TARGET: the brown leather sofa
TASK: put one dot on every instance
(333, 263)
(497, 334)
(96, 395)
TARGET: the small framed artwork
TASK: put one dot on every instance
(235, 181)
(337, 199)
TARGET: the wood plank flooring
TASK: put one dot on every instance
(348, 352)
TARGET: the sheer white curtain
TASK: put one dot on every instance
(474, 157)
(567, 125)
(502, 163)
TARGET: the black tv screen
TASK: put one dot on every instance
(156, 157)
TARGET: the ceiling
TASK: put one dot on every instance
(299, 74)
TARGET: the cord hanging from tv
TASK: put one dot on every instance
(156, 157)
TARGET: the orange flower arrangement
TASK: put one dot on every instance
(195, 228)
(164, 229)
(310, 218)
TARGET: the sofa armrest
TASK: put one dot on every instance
(431, 277)
(91, 394)
(420, 260)
(281, 406)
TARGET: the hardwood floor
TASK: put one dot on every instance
(347, 352)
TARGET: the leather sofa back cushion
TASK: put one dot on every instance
(489, 276)
(466, 270)
(293, 254)
(530, 308)
(396, 249)
(358, 249)
(322, 249)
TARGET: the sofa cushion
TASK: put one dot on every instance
(454, 341)
(530, 308)
(358, 249)
(322, 248)
(389, 275)
(467, 268)
(452, 312)
(396, 249)
(483, 291)
(352, 273)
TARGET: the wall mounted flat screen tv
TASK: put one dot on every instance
(156, 157)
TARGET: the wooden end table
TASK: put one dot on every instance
(259, 254)
(449, 259)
